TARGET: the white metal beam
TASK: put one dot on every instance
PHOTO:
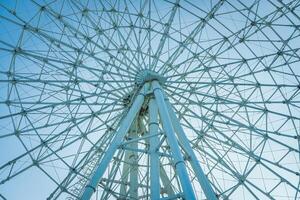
(203, 180)
(124, 128)
(133, 160)
(174, 146)
(154, 156)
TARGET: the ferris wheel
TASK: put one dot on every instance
(150, 99)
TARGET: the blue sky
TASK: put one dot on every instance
(45, 59)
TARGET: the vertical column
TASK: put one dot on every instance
(205, 185)
(171, 138)
(166, 182)
(123, 129)
(154, 157)
(124, 179)
(133, 160)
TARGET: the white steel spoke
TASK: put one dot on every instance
(170, 99)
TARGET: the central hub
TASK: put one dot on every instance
(147, 76)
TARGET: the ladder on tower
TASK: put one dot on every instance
(78, 188)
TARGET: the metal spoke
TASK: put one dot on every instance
(171, 99)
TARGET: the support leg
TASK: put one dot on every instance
(166, 182)
(133, 160)
(205, 185)
(124, 127)
(125, 174)
(154, 157)
(171, 138)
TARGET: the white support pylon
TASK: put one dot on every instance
(124, 177)
(171, 138)
(203, 180)
(133, 160)
(154, 157)
(124, 128)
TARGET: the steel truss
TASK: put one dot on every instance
(99, 97)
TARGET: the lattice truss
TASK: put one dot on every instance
(71, 72)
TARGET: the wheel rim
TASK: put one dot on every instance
(68, 75)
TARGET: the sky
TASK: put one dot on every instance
(89, 64)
